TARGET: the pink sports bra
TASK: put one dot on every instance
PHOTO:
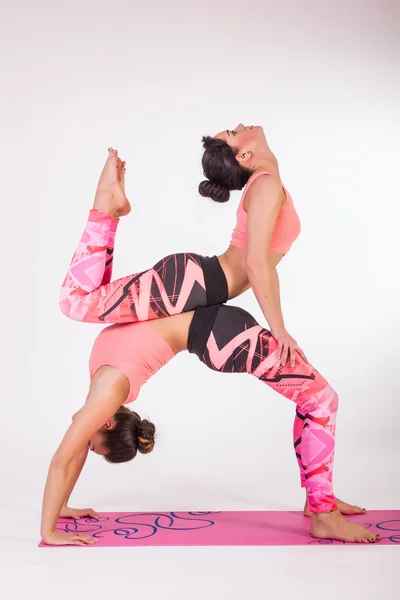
(136, 349)
(287, 227)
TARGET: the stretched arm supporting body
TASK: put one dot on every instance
(106, 395)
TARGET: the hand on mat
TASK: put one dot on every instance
(60, 538)
(288, 348)
(78, 513)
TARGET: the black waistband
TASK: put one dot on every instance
(201, 327)
(215, 280)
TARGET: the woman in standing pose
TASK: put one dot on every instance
(267, 226)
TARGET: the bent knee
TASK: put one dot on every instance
(334, 404)
(64, 308)
(326, 401)
(69, 310)
(64, 303)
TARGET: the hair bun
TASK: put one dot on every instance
(215, 191)
(146, 434)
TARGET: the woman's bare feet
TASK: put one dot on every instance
(344, 508)
(110, 194)
(333, 526)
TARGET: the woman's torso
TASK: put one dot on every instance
(287, 229)
(138, 350)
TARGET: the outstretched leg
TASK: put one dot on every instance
(231, 341)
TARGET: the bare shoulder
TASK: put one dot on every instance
(265, 189)
(108, 382)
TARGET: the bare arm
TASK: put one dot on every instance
(100, 407)
(64, 467)
(265, 200)
(77, 513)
(80, 463)
(276, 292)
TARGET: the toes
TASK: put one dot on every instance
(355, 510)
(112, 153)
(372, 538)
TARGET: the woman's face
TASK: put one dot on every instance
(243, 138)
(95, 443)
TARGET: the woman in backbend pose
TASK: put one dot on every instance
(267, 225)
(226, 339)
(169, 287)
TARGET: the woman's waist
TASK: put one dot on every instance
(233, 264)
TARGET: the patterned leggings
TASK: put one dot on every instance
(176, 284)
(231, 341)
(234, 342)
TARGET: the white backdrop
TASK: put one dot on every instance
(151, 79)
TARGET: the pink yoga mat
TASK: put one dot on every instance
(257, 528)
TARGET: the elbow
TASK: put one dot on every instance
(256, 266)
(60, 461)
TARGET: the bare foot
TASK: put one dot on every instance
(110, 194)
(126, 208)
(333, 526)
(344, 508)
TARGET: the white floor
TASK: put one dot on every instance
(326, 572)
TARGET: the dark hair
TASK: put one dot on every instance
(222, 169)
(129, 434)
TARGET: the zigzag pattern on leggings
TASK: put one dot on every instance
(174, 285)
(237, 344)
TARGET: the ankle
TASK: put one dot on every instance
(324, 516)
(102, 202)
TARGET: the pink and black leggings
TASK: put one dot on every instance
(229, 340)
(225, 338)
(177, 283)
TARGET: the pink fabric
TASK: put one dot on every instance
(287, 227)
(255, 351)
(174, 285)
(253, 528)
(133, 348)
